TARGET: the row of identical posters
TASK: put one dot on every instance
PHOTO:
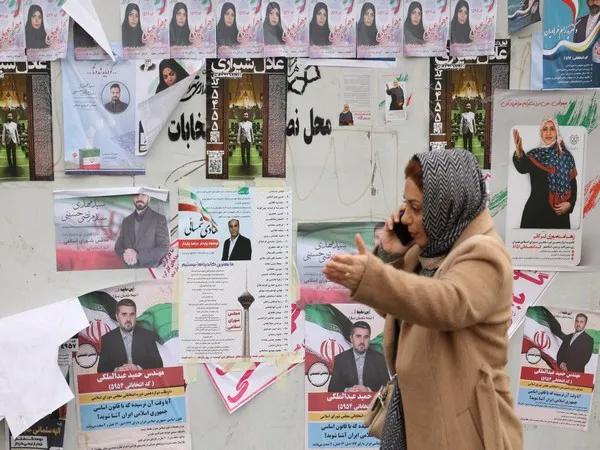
(329, 28)
(36, 30)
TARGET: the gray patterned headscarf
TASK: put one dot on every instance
(453, 195)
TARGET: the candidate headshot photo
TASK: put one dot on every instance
(131, 28)
(552, 176)
(360, 368)
(144, 237)
(576, 348)
(366, 27)
(179, 28)
(319, 31)
(227, 29)
(414, 31)
(129, 346)
(272, 29)
(169, 73)
(585, 25)
(35, 31)
(115, 97)
(236, 247)
(460, 28)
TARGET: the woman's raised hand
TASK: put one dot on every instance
(518, 143)
(346, 269)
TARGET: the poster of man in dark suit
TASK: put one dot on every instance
(576, 349)
(128, 347)
(360, 368)
(586, 24)
(144, 237)
(236, 247)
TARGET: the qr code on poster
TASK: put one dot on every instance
(215, 162)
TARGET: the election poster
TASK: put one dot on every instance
(46, 29)
(522, 13)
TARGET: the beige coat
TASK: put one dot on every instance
(450, 350)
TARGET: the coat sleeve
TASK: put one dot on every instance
(522, 164)
(150, 257)
(120, 244)
(153, 359)
(336, 384)
(477, 285)
(104, 364)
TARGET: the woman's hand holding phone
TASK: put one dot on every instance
(396, 239)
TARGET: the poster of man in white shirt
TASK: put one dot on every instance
(10, 140)
(245, 137)
(468, 127)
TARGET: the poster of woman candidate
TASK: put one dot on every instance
(559, 358)
(285, 28)
(543, 173)
(85, 47)
(46, 29)
(544, 209)
(425, 28)
(144, 29)
(12, 30)
(192, 29)
(344, 368)
(332, 29)
(522, 13)
(571, 57)
(120, 228)
(99, 106)
(472, 27)
(239, 30)
(129, 383)
(378, 28)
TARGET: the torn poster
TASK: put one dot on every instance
(522, 13)
(36, 386)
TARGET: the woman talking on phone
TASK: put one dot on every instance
(446, 297)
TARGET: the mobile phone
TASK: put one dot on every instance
(402, 232)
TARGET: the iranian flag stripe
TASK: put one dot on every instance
(316, 335)
(543, 331)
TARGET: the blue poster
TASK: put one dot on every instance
(99, 106)
(522, 13)
(571, 44)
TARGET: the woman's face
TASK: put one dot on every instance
(133, 18)
(321, 17)
(169, 76)
(181, 17)
(229, 17)
(548, 133)
(415, 16)
(369, 17)
(36, 20)
(413, 212)
(462, 15)
(274, 17)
